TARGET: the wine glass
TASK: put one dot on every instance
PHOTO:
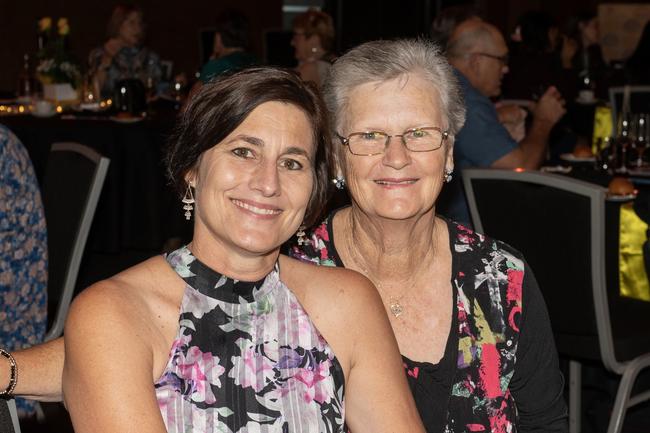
(150, 81)
(640, 143)
(89, 94)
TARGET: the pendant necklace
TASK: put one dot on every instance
(394, 302)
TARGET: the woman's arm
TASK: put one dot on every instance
(537, 383)
(39, 371)
(108, 370)
(378, 398)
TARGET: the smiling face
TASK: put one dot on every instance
(252, 188)
(398, 184)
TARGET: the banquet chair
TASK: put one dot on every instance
(639, 101)
(73, 181)
(558, 223)
(8, 416)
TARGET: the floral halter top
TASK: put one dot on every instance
(246, 358)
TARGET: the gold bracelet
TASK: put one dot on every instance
(13, 378)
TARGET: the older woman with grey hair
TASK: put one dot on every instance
(469, 318)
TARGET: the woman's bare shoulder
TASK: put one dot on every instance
(327, 282)
(335, 297)
(132, 297)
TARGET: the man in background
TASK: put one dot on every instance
(478, 52)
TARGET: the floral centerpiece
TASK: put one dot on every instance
(57, 71)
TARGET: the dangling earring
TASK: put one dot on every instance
(302, 237)
(448, 176)
(339, 182)
(188, 201)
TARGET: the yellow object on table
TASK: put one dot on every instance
(602, 127)
(633, 279)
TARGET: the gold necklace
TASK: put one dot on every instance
(394, 304)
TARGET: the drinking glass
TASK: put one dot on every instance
(89, 95)
(640, 142)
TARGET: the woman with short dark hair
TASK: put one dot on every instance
(225, 334)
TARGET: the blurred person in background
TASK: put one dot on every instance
(123, 55)
(448, 19)
(23, 253)
(638, 65)
(230, 44)
(313, 42)
(587, 62)
(478, 52)
(539, 59)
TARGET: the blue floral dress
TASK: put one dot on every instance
(23, 252)
(246, 358)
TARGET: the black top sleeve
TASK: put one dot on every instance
(537, 383)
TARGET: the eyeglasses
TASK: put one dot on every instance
(371, 143)
(503, 59)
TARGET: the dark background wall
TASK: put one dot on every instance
(173, 25)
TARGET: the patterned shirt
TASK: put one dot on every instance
(129, 62)
(23, 252)
(503, 375)
(246, 359)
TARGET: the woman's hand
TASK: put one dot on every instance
(111, 48)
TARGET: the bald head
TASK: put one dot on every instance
(471, 36)
(477, 49)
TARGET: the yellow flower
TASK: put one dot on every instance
(63, 26)
(44, 24)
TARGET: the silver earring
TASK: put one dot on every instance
(188, 201)
(339, 182)
(302, 236)
(448, 176)
(314, 50)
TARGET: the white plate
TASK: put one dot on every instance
(90, 106)
(572, 158)
(126, 119)
(625, 197)
(556, 169)
(44, 115)
(645, 172)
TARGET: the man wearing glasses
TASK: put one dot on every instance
(480, 55)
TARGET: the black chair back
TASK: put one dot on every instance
(73, 180)
(8, 416)
(562, 269)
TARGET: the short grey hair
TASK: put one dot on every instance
(379, 61)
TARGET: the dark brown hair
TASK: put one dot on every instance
(120, 13)
(222, 105)
(314, 22)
